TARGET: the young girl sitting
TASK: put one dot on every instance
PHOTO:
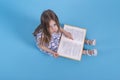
(48, 34)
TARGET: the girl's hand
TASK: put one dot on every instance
(56, 55)
(68, 35)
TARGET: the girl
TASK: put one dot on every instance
(48, 35)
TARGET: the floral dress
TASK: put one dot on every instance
(53, 44)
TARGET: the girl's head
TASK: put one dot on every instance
(50, 21)
(49, 24)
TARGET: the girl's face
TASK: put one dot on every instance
(53, 26)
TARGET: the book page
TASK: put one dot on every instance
(70, 49)
(77, 33)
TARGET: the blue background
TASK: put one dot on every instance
(21, 60)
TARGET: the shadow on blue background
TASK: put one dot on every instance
(21, 60)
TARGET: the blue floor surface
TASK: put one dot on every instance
(21, 60)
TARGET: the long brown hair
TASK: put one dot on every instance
(46, 16)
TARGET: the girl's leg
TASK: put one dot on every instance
(90, 42)
(90, 52)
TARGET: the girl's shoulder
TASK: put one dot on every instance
(39, 34)
(56, 33)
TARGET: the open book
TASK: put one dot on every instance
(72, 48)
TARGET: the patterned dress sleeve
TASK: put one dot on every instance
(38, 37)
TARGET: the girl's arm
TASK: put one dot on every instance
(48, 50)
(67, 34)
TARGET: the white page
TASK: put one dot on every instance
(69, 48)
(72, 48)
(77, 33)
